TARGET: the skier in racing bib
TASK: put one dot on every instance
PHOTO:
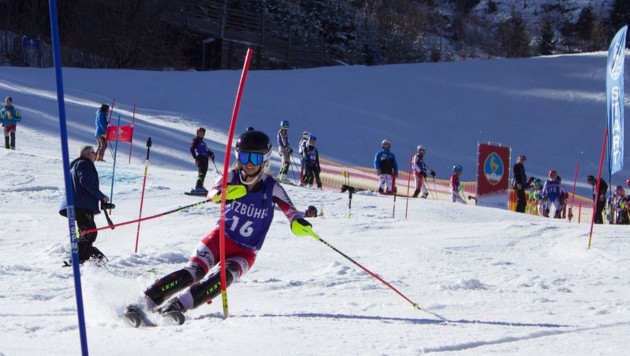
(553, 194)
(247, 221)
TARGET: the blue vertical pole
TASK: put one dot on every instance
(111, 195)
(66, 173)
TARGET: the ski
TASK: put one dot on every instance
(196, 194)
(136, 318)
(175, 317)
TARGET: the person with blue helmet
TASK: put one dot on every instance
(386, 168)
(456, 185)
(284, 149)
(311, 164)
(101, 122)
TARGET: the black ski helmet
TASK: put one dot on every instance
(253, 141)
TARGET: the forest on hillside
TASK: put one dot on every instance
(186, 34)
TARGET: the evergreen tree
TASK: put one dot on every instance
(620, 14)
(546, 41)
(513, 37)
(584, 24)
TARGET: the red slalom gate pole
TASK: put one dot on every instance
(599, 178)
(228, 154)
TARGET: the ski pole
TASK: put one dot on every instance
(293, 169)
(232, 192)
(144, 181)
(408, 185)
(346, 187)
(215, 167)
(394, 192)
(301, 230)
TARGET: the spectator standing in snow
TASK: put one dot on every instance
(538, 204)
(284, 149)
(420, 170)
(10, 117)
(456, 185)
(553, 194)
(101, 131)
(301, 147)
(599, 198)
(200, 152)
(247, 221)
(520, 183)
(619, 207)
(311, 164)
(386, 168)
(87, 196)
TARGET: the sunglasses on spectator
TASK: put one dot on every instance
(256, 158)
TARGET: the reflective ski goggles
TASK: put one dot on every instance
(256, 158)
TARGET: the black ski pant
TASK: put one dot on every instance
(85, 221)
(202, 166)
(521, 202)
(599, 209)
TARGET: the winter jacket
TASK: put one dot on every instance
(310, 156)
(85, 186)
(10, 115)
(385, 162)
(198, 149)
(283, 139)
(101, 123)
(519, 175)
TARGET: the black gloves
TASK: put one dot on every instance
(433, 174)
(211, 155)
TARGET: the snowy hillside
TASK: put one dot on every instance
(491, 281)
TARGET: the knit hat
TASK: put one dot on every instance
(104, 108)
(8, 99)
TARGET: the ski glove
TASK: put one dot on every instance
(211, 155)
(433, 174)
(301, 227)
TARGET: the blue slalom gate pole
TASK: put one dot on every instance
(66, 173)
(111, 194)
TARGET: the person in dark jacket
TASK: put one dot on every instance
(200, 152)
(520, 183)
(599, 198)
(86, 196)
